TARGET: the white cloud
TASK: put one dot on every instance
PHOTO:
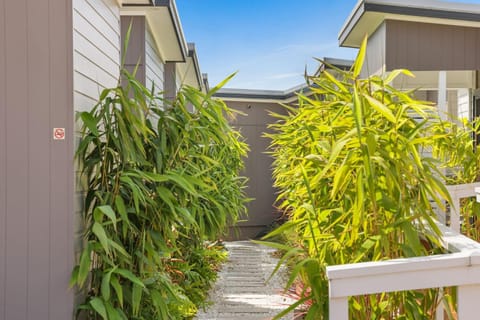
(284, 76)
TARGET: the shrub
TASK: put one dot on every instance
(161, 181)
(358, 164)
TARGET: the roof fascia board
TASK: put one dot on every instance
(126, 3)
(192, 53)
(278, 96)
(422, 12)
(433, 10)
(351, 21)
(147, 10)
(172, 9)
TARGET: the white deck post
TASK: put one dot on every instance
(439, 314)
(468, 298)
(442, 95)
(455, 213)
(338, 308)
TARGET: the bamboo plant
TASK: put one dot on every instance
(162, 181)
(359, 166)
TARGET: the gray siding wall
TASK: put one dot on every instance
(36, 172)
(375, 59)
(423, 46)
(96, 49)
(258, 165)
(96, 64)
(170, 77)
(155, 69)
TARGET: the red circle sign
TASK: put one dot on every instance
(59, 133)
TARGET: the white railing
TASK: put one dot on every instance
(458, 192)
(461, 269)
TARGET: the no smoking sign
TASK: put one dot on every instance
(58, 133)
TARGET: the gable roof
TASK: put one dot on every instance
(368, 15)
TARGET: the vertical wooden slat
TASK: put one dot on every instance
(446, 51)
(3, 169)
(414, 34)
(457, 60)
(468, 297)
(432, 38)
(39, 160)
(431, 47)
(469, 46)
(477, 49)
(61, 153)
(16, 160)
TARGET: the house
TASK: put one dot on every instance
(256, 107)
(55, 58)
(438, 41)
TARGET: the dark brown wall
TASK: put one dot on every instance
(136, 46)
(426, 47)
(36, 173)
(258, 165)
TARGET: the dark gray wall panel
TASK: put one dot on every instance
(3, 168)
(136, 46)
(38, 122)
(258, 164)
(427, 47)
(61, 159)
(36, 172)
(17, 154)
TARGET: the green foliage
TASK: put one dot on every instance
(357, 165)
(162, 180)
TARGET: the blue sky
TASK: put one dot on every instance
(269, 42)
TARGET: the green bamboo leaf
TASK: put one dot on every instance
(219, 86)
(395, 73)
(105, 288)
(381, 108)
(98, 231)
(136, 298)
(160, 305)
(107, 211)
(84, 267)
(90, 122)
(99, 307)
(118, 289)
(130, 276)
(112, 312)
(182, 182)
(118, 248)
(358, 65)
(122, 211)
(74, 277)
(167, 197)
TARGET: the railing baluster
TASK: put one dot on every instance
(338, 308)
(468, 298)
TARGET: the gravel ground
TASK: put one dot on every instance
(242, 291)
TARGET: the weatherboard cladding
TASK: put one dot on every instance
(375, 58)
(96, 37)
(96, 63)
(428, 47)
(36, 173)
(154, 65)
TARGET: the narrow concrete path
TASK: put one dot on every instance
(241, 291)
